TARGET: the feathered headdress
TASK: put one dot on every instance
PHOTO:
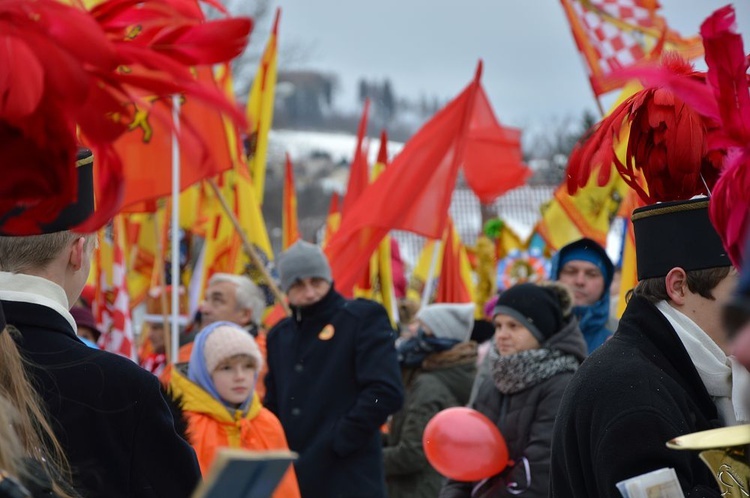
(689, 133)
(67, 77)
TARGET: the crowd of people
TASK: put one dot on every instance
(580, 406)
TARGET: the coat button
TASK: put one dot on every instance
(298, 367)
(296, 412)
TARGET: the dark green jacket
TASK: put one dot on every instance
(443, 381)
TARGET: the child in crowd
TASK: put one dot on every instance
(219, 399)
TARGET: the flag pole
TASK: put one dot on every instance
(159, 274)
(175, 233)
(248, 247)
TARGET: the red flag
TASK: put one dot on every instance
(493, 162)
(359, 174)
(290, 226)
(413, 194)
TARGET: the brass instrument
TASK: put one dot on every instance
(725, 451)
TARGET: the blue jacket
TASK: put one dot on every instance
(333, 380)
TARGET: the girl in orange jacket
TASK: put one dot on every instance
(219, 400)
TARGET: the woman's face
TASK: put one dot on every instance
(512, 337)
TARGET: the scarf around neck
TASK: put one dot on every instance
(726, 381)
(516, 372)
(412, 352)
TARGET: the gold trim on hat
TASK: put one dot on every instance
(675, 208)
(85, 161)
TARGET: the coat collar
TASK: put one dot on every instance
(18, 287)
(645, 327)
(322, 310)
(194, 399)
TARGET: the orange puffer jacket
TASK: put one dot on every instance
(211, 426)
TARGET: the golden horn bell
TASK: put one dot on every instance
(725, 451)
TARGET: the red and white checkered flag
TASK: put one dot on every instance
(112, 303)
(612, 34)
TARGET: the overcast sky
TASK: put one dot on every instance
(532, 70)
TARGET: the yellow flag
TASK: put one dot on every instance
(260, 111)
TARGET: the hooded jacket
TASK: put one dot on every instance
(211, 426)
(594, 320)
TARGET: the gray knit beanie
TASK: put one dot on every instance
(449, 321)
(302, 260)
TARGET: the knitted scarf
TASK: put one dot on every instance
(516, 372)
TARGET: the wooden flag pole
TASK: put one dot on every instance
(249, 249)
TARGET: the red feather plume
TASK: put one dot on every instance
(721, 98)
(667, 144)
(67, 73)
(729, 208)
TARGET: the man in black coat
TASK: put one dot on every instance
(663, 374)
(108, 414)
(333, 380)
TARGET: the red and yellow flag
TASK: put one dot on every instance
(289, 224)
(589, 212)
(333, 220)
(260, 111)
(456, 283)
(146, 149)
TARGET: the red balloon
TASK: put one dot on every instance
(464, 445)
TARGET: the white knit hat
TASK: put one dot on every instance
(449, 321)
(225, 342)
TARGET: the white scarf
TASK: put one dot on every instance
(35, 290)
(725, 379)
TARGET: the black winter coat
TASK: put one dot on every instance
(333, 380)
(633, 394)
(109, 415)
(525, 420)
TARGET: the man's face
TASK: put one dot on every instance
(221, 305)
(584, 279)
(307, 291)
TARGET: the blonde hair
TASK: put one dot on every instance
(24, 430)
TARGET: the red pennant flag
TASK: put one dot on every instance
(359, 174)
